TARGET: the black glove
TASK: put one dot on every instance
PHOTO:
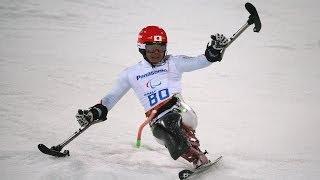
(95, 114)
(214, 48)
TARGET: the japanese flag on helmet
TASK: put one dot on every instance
(151, 34)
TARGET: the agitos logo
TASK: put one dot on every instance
(153, 83)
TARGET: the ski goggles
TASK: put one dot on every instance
(152, 48)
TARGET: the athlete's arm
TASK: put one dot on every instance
(121, 87)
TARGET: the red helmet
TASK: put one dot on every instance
(151, 34)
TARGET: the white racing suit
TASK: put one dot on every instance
(155, 87)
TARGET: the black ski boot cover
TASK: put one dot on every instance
(168, 129)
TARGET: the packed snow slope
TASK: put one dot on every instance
(259, 107)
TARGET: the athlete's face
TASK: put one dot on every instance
(155, 57)
(155, 52)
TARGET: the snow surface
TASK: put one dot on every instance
(259, 107)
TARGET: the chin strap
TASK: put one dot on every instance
(162, 62)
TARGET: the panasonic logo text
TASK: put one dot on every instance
(151, 73)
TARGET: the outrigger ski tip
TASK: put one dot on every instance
(53, 151)
(56, 150)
